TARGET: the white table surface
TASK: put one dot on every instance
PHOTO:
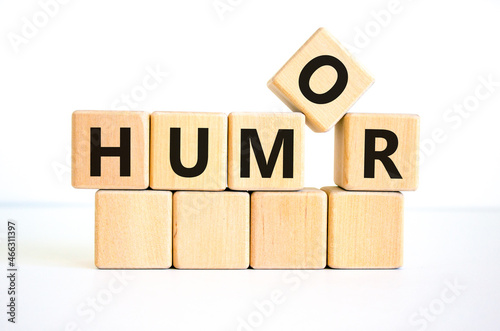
(58, 282)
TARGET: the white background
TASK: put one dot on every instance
(427, 57)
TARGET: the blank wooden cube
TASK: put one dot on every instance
(110, 150)
(321, 80)
(266, 151)
(288, 230)
(365, 229)
(377, 152)
(211, 230)
(188, 151)
(133, 229)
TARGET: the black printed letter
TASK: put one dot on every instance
(175, 153)
(311, 67)
(250, 138)
(371, 155)
(96, 152)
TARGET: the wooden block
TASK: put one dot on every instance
(188, 151)
(365, 229)
(110, 150)
(321, 80)
(211, 230)
(377, 152)
(266, 151)
(288, 230)
(133, 229)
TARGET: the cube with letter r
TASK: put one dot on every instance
(377, 152)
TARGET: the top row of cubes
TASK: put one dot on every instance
(245, 151)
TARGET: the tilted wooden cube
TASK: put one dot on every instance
(288, 230)
(110, 150)
(321, 80)
(365, 229)
(377, 152)
(266, 151)
(211, 230)
(133, 229)
(188, 151)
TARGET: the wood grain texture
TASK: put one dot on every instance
(350, 152)
(211, 230)
(365, 229)
(162, 176)
(110, 123)
(267, 126)
(133, 229)
(288, 230)
(285, 84)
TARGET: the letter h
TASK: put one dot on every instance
(96, 152)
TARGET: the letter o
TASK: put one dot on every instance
(311, 67)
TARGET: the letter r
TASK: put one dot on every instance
(383, 156)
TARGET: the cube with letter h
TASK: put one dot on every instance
(266, 151)
(110, 150)
(377, 152)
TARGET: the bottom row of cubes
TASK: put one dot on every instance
(305, 229)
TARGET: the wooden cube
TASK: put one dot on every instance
(365, 229)
(188, 151)
(266, 151)
(211, 230)
(288, 230)
(377, 152)
(133, 229)
(321, 80)
(110, 150)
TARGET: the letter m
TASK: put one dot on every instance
(250, 140)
